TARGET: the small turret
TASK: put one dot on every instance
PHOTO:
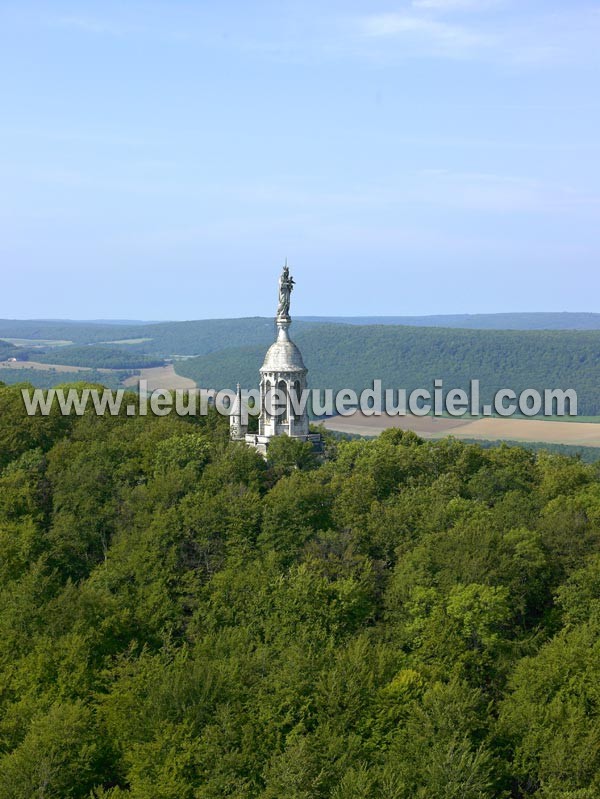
(237, 426)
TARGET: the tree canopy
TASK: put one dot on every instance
(180, 619)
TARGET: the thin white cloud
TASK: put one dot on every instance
(533, 39)
(526, 36)
(423, 32)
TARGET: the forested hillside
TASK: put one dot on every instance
(337, 355)
(180, 620)
(199, 337)
(164, 338)
(412, 357)
(173, 337)
(100, 357)
(483, 321)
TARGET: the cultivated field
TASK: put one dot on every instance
(161, 377)
(157, 376)
(489, 429)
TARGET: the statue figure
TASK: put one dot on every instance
(286, 285)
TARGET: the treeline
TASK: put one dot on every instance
(486, 321)
(100, 357)
(181, 620)
(410, 357)
(584, 453)
(50, 378)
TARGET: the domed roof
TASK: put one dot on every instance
(283, 355)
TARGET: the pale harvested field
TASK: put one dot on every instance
(126, 341)
(531, 430)
(161, 377)
(157, 376)
(37, 342)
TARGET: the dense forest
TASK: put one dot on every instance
(100, 357)
(412, 357)
(400, 620)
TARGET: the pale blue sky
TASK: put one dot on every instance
(158, 160)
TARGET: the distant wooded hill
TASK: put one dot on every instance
(164, 339)
(412, 357)
(344, 354)
(203, 336)
(494, 321)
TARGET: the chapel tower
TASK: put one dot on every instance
(282, 369)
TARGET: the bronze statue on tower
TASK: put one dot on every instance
(286, 286)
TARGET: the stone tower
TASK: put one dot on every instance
(283, 369)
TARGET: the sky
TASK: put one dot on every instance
(160, 160)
